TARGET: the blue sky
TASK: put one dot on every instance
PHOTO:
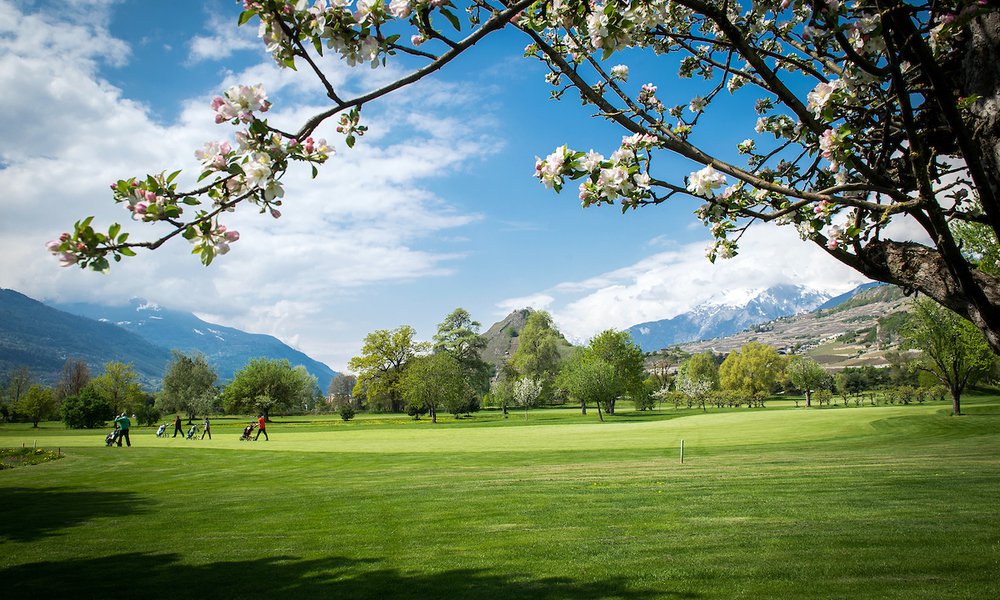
(435, 208)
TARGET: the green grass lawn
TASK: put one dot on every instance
(873, 502)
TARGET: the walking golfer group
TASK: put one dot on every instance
(123, 423)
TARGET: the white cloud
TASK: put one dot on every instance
(223, 40)
(669, 283)
(539, 301)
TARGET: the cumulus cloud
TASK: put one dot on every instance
(666, 284)
(222, 41)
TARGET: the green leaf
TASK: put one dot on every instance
(315, 171)
(173, 176)
(122, 238)
(191, 201)
(126, 252)
(246, 16)
(101, 265)
(290, 63)
(452, 18)
(113, 230)
(350, 141)
(190, 233)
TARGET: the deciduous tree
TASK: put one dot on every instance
(805, 374)
(588, 378)
(75, 375)
(433, 381)
(16, 384)
(954, 351)
(383, 359)
(264, 386)
(618, 350)
(36, 404)
(526, 392)
(697, 377)
(751, 371)
(188, 385)
(119, 384)
(459, 336)
(341, 390)
(537, 355)
(88, 409)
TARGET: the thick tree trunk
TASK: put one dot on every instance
(809, 398)
(916, 267)
(956, 406)
(583, 408)
(980, 76)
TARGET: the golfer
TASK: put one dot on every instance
(261, 428)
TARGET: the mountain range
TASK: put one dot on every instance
(42, 337)
(862, 328)
(728, 316)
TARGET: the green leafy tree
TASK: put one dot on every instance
(380, 367)
(88, 409)
(697, 377)
(537, 355)
(120, 386)
(459, 336)
(618, 350)
(264, 386)
(588, 378)
(37, 404)
(16, 384)
(751, 372)
(805, 374)
(501, 394)
(954, 350)
(646, 400)
(434, 381)
(188, 386)
(346, 412)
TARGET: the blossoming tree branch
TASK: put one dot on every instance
(869, 112)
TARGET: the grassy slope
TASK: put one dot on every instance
(888, 502)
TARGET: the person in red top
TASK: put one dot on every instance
(261, 428)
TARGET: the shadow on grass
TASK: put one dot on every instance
(163, 575)
(29, 514)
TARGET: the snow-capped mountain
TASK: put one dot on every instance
(227, 349)
(732, 312)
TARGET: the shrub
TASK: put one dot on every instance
(148, 413)
(86, 410)
(347, 411)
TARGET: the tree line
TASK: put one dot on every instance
(190, 387)
(397, 373)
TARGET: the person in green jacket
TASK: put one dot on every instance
(123, 423)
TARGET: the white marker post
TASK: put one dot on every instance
(682, 452)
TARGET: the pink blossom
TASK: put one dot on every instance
(705, 182)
